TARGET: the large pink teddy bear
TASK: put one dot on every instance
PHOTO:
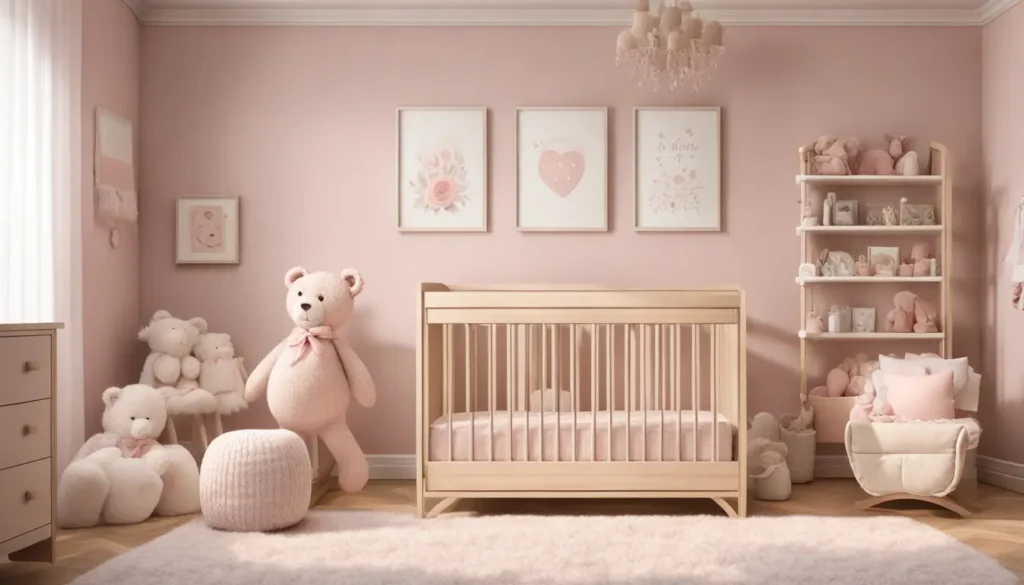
(309, 377)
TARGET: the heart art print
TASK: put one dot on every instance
(562, 169)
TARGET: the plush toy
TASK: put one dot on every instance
(814, 323)
(220, 372)
(767, 467)
(925, 316)
(852, 377)
(908, 165)
(122, 475)
(837, 381)
(310, 377)
(763, 426)
(834, 157)
(920, 256)
(901, 318)
(170, 367)
(882, 162)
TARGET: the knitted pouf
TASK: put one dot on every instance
(255, 481)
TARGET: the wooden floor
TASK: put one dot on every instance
(997, 528)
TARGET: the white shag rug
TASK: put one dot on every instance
(375, 548)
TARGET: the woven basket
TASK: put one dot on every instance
(802, 448)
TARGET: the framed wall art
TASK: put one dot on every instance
(562, 169)
(677, 169)
(207, 230)
(442, 169)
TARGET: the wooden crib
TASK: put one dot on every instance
(580, 392)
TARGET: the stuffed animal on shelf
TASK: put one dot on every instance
(925, 316)
(814, 323)
(220, 372)
(901, 318)
(908, 165)
(170, 367)
(852, 377)
(123, 475)
(920, 256)
(834, 157)
(310, 376)
(882, 162)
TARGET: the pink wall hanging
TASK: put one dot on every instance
(116, 199)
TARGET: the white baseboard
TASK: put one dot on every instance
(1004, 474)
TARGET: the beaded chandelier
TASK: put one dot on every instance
(670, 45)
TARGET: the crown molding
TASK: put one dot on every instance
(993, 9)
(504, 13)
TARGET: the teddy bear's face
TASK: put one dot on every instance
(321, 298)
(167, 334)
(137, 411)
(214, 345)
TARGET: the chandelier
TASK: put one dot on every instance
(670, 45)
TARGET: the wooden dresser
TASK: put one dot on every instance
(28, 431)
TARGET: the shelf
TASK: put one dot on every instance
(864, 279)
(855, 230)
(871, 336)
(872, 180)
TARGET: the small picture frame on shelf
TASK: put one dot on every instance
(874, 214)
(916, 213)
(863, 320)
(840, 319)
(845, 213)
(884, 260)
(807, 270)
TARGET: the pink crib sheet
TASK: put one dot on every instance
(662, 440)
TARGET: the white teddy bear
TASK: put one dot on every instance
(220, 372)
(123, 475)
(170, 365)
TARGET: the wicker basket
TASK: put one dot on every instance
(802, 448)
(831, 416)
(772, 484)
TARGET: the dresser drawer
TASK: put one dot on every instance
(24, 433)
(24, 368)
(24, 498)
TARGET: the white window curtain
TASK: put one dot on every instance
(40, 187)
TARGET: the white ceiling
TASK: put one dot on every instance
(560, 12)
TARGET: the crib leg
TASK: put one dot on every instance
(433, 507)
(200, 424)
(218, 424)
(726, 507)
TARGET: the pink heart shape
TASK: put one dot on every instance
(561, 172)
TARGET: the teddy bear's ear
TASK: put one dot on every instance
(199, 323)
(354, 280)
(293, 275)
(160, 315)
(110, 395)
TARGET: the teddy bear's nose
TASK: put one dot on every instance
(305, 306)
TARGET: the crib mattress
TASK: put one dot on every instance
(671, 440)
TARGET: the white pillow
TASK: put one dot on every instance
(934, 365)
(967, 399)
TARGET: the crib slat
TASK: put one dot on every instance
(645, 383)
(574, 372)
(695, 360)
(595, 338)
(529, 380)
(630, 373)
(470, 358)
(543, 381)
(556, 385)
(659, 389)
(610, 381)
(510, 375)
(677, 400)
(492, 380)
(714, 392)
(448, 389)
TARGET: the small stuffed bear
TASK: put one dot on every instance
(834, 157)
(883, 162)
(220, 372)
(925, 315)
(310, 377)
(901, 318)
(123, 475)
(170, 367)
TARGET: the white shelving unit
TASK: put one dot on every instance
(833, 411)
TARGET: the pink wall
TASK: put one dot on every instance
(1003, 94)
(110, 277)
(301, 123)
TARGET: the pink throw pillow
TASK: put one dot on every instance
(928, 397)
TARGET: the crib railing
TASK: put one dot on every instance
(573, 388)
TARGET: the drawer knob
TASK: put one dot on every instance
(28, 497)
(31, 366)
(26, 430)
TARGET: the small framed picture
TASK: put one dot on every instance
(916, 214)
(207, 230)
(807, 270)
(845, 213)
(885, 260)
(863, 320)
(874, 214)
